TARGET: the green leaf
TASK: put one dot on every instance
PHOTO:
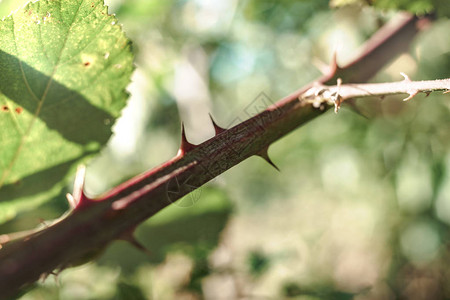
(64, 67)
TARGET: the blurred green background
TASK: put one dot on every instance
(361, 208)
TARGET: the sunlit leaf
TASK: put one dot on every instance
(64, 66)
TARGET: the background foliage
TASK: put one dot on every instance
(362, 205)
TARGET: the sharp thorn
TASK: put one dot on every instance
(46, 275)
(264, 154)
(78, 184)
(406, 77)
(327, 69)
(139, 246)
(78, 198)
(218, 130)
(130, 238)
(185, 145)
(412, 94)
(43, 223)
(334, 67)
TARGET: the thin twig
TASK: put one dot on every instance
(321, 94)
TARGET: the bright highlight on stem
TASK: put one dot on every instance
(321, 94)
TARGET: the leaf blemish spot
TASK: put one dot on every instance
(19, 110)
(4, 108)
(87, 60)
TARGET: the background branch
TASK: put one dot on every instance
(335, 95)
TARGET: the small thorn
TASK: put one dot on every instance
(43, 223)
(44, 276)
(428, 93)
(185, 145)
(412, 94)
(78, 185)
(446, 92)
(217, 128)
(406, 77)
(79, 199)
(264, 154)
(334, 67)
(327, 69)
(130, 238)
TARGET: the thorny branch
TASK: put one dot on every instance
(321, 94)
(93, 223)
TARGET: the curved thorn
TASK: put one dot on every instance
(78, 184)
(80, 200)
(217, 128)
(412, 94)
(264, 154)
(44, 276)
(185, 145)
(329, 69)
(130, 238)
(406, 77)
(334, 67)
